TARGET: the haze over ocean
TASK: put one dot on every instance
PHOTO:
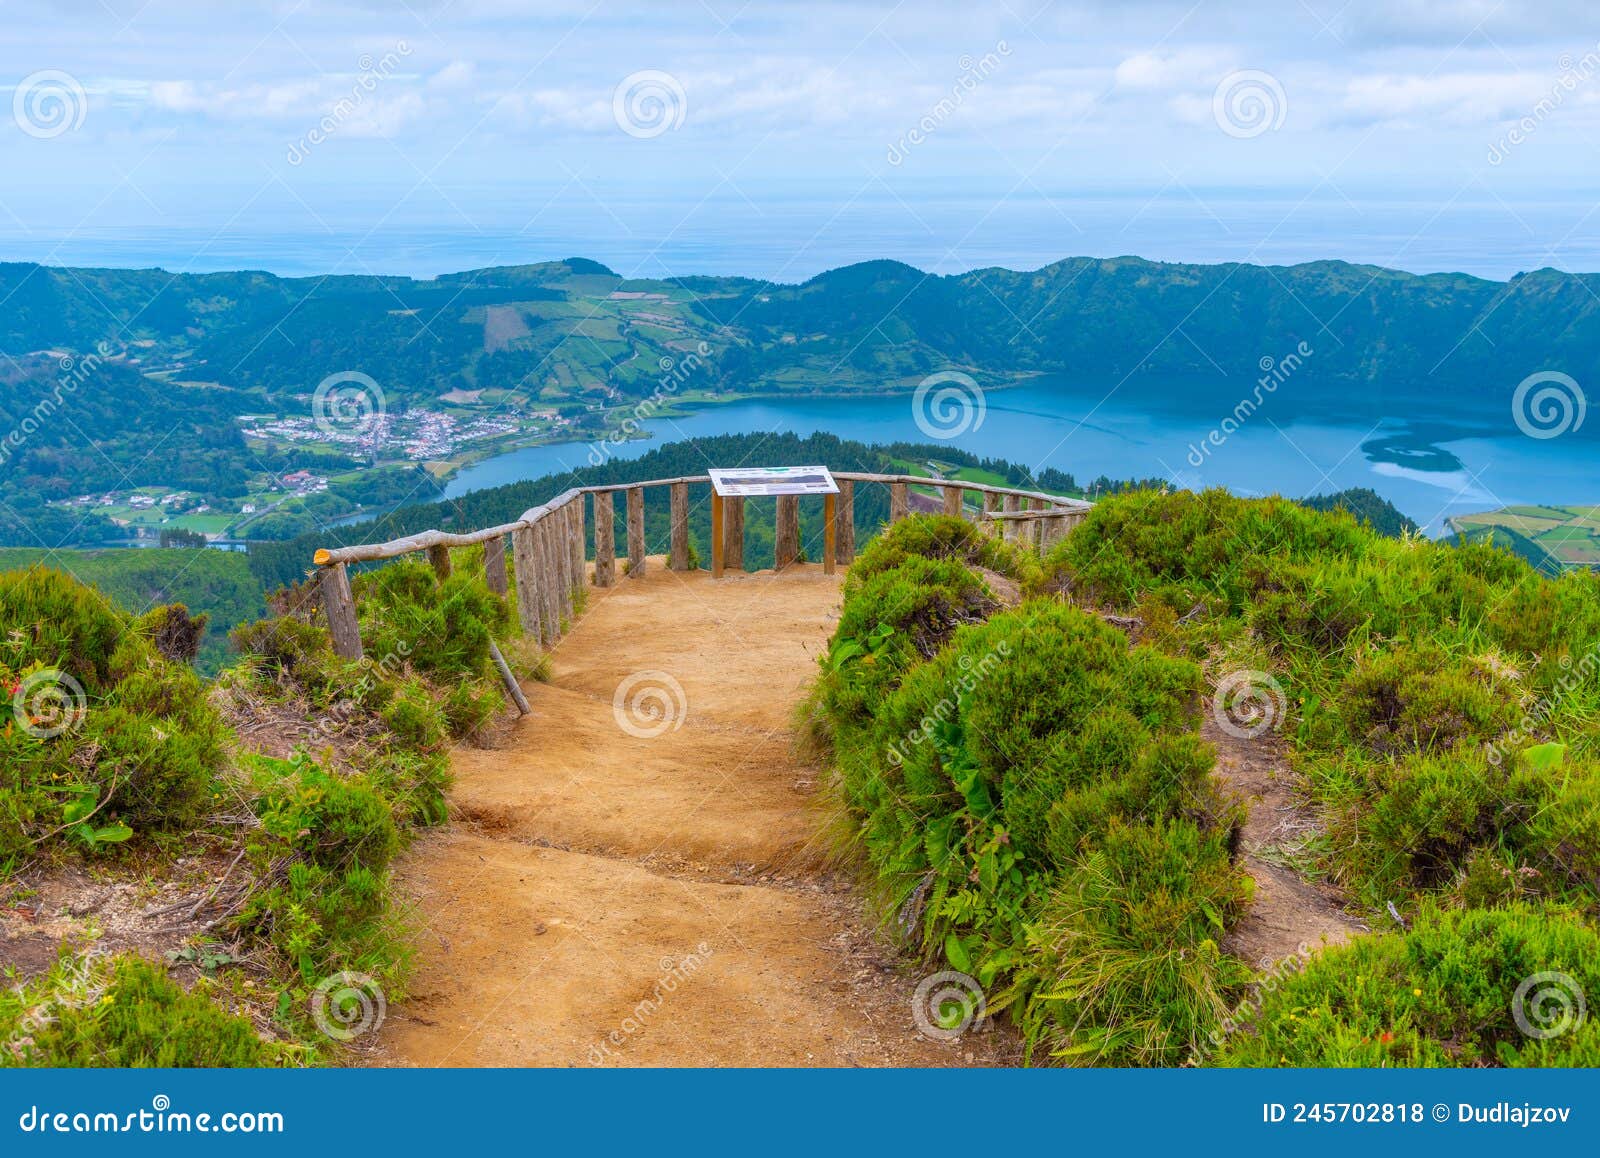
(792, 232)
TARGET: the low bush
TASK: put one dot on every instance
(1030, 798)
(120, 1012)
(1466, 987)
(941, 538)
(109, 738)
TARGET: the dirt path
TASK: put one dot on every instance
(1289, 915)
(640, 886)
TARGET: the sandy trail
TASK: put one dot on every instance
(1289, 914)
(609, 895)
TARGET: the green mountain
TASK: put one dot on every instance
(566, 330)
(112, 380)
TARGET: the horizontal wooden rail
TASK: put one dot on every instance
(549, 556)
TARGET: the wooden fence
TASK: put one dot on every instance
(549, 552)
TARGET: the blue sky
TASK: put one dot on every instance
(989, 130)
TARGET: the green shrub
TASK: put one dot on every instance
(125, 1012)
(112, 739)
(1446, 994)
(442, 628)
(940, 538)
(1415, 696)
(331, 820)
(1129, 969)
(892, 621)
(326, 841)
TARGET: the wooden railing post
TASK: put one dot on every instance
(1055, 529)
(635, 532)
(549, 580)
(899, 502)
(678, 558)
(1009, 527)
(830, 533)
(440, 558)
(1035, 528)
(525, 560)
(579, 555)
(561, 546)
(845, 523)
(786, 539)
(340, 607)
(952, 500)
(717, 516)
(494, 565)
(605, 540)
(991, 504)
(733, 534)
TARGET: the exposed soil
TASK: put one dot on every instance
(1289, 916)
(48, 905)
(640, 884)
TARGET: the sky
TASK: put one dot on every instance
(778, 138)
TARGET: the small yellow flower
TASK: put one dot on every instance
(1416, 993)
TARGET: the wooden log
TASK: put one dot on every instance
(952, 500)
(786, 538)
(512, 687)
(845, 523)
(494, 565)
(549, 597)
(566, 577)
(530, 604)
(579, 553)
(605, 540)
(830, 533)
(1034, 530)
(635, 532)
(678, 559)
(1008, 528)
(340, 608)
(716, 535)
(1055, 529)
(733, 534)
(439, 557)
(899, 502)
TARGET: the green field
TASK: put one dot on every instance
(1558, 536)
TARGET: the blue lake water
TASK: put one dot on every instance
(1429, 475)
